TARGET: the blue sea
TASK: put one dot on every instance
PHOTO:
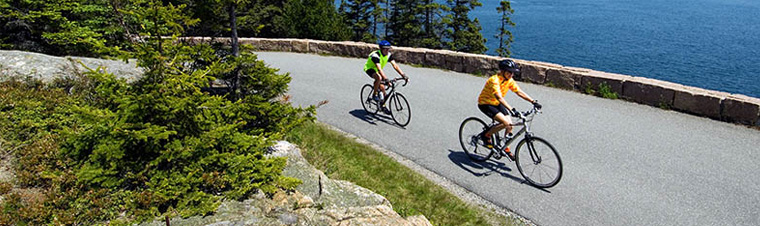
(712, 44)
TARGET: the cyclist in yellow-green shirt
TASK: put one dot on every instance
(492, 103)
(374, 68)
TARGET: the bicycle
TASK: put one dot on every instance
(543, 167)
(398, 107)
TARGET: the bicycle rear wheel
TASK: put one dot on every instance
(400, 110)
(369, 105)
(470, 141)
(538, 162)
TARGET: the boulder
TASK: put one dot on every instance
(318, 201)
(49, 68)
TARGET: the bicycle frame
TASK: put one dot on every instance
(526, 119)
(392, 84)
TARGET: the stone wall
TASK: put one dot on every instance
(722, 106)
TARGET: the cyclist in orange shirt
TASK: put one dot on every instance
(492, 103)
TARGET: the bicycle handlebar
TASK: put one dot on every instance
(394, 80)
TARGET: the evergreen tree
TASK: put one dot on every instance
(433, 23)
(315, 19)
(61, 27)
(504, 35)
(405, 25)
(379, 15)
(464, 34)
(359, 15)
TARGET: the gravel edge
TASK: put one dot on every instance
(459, 191)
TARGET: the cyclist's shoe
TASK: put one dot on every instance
(386, 110)
(486, 140)
(509, 153)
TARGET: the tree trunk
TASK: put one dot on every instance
(235, 49)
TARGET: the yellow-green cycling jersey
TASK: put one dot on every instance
(377, 57)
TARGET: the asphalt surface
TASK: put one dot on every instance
(624, 163)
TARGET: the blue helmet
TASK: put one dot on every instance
(384, 44)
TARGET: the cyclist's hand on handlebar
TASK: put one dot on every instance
(515, 113)
(536, 104)
(406, 79)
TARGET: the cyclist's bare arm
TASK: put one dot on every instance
(398, 69)
(502, 101)
(380, 72)
(524, 96)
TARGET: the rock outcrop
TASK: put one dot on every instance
(318, 201)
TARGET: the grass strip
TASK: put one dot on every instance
(342, 158)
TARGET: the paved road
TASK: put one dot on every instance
(625, 164)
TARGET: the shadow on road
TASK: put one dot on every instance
(485, 168)
(373, 118)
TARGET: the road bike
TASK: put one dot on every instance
(394, 103)
(536, 159)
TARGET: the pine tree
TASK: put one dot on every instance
(405, 27)
(433, 23)
(315, 19)
(505, 9)
(61, 27)
(359, 15)
(464, 34)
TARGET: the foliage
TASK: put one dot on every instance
(504, 35)
(405, 25)
(410, 193)
(315, 19)
(61, 27)
(360, 14)
(462, 32)
(604, 90)
(123, 153)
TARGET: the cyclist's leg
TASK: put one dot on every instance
(377, 86)
(501, 117)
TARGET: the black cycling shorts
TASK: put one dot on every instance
(492, 110)
(371, 72)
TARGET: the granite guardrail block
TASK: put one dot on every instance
(564, 78)
(741, 109)
(699, 102)
(706, 103)
(410, 55)
(535, 72)
(649, 91)
(479, 64)
(594, 80)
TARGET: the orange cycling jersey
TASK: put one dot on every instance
(496, 85)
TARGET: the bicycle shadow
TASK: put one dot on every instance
(487, 167)
(374, 118)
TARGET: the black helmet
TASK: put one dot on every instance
(509, 65)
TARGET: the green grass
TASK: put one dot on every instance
(410, 193)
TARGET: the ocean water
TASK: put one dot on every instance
(712, 44)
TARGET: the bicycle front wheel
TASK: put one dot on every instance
(470, 141)
(369, 105)
(400, 110)
(538, 162)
